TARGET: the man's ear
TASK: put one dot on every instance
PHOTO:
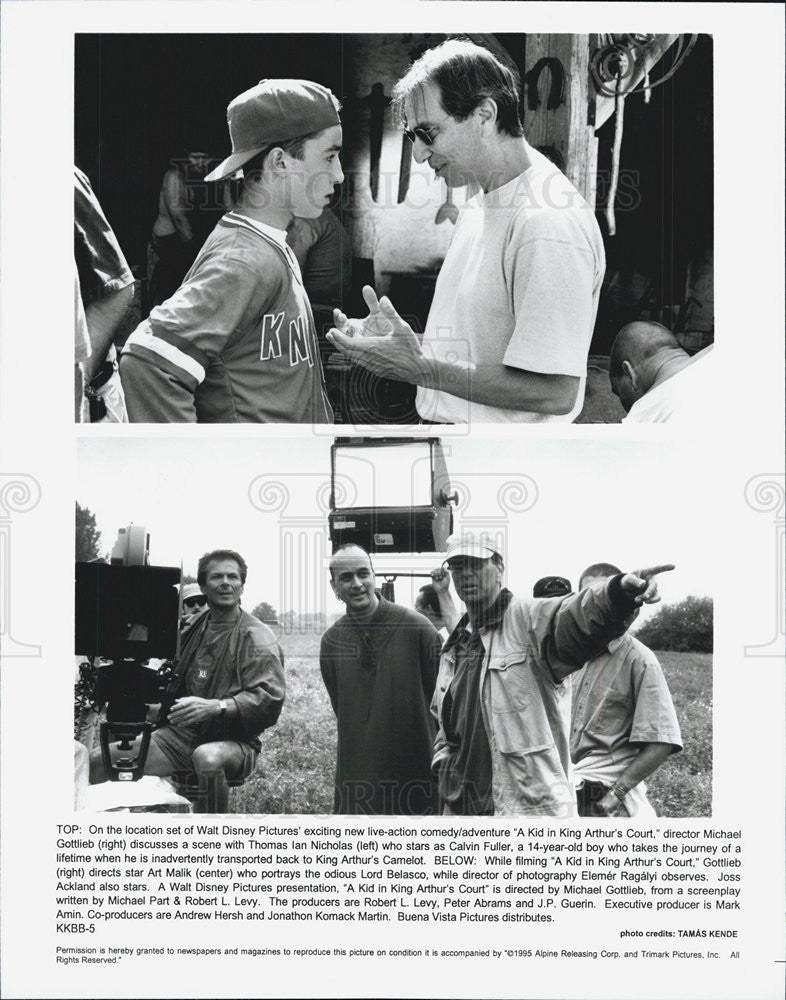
(487, 111)
(275, 159)
(630, 373)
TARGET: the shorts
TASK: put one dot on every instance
(178, 744)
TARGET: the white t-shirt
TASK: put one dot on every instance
(684, 398)
(519, 286)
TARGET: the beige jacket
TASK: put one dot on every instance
(524, 703)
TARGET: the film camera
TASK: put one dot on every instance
(127, 612)
(390, 495)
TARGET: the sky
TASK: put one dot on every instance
(560, 505)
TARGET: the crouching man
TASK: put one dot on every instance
(228, 687)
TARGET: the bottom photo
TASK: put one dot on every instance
(392, 627)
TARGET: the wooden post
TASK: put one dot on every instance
(570, 127)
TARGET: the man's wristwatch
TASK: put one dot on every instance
(223, 706)
(619, 793)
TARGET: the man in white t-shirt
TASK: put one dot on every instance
(509, 329)
(656, 380)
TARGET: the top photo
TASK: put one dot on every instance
(393, 229)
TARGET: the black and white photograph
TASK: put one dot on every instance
(395, 607)
(346, 679)
(459, 229)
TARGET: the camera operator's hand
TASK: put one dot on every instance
(190, 711)
(440, 580)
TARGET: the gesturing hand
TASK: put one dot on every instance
(374, 325)
(641, 584)
(382, 342)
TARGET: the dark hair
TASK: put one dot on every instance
(430, 598)
(218, 555)
(295, 148)
(600, 569)
(465, 74)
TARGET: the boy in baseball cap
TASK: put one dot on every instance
(236, 343)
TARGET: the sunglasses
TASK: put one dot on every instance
(423, 132)
(195, 602)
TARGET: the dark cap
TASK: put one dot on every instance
(274, 111)
(552, 586)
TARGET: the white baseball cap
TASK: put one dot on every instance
(190, 590)
(477, 544)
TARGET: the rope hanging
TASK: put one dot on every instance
(616, 60)
(619, 121)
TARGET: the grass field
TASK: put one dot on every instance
(294, 773)
(683, 785)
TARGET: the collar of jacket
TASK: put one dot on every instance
(489, 618)
(192, 636)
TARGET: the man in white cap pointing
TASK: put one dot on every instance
(236, 342)
(502, 707)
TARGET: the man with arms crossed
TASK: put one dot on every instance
(229, 685)
(502, 707)
(236, 342)
(379, 665)
(623, 723)
(509, 330)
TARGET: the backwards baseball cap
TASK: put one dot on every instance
(552, 586)
(274, 111)
(478, 544)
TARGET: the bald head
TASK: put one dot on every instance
(352, 579)
(597, 571)
(638, 341)
(642, 354)
(348, 551)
